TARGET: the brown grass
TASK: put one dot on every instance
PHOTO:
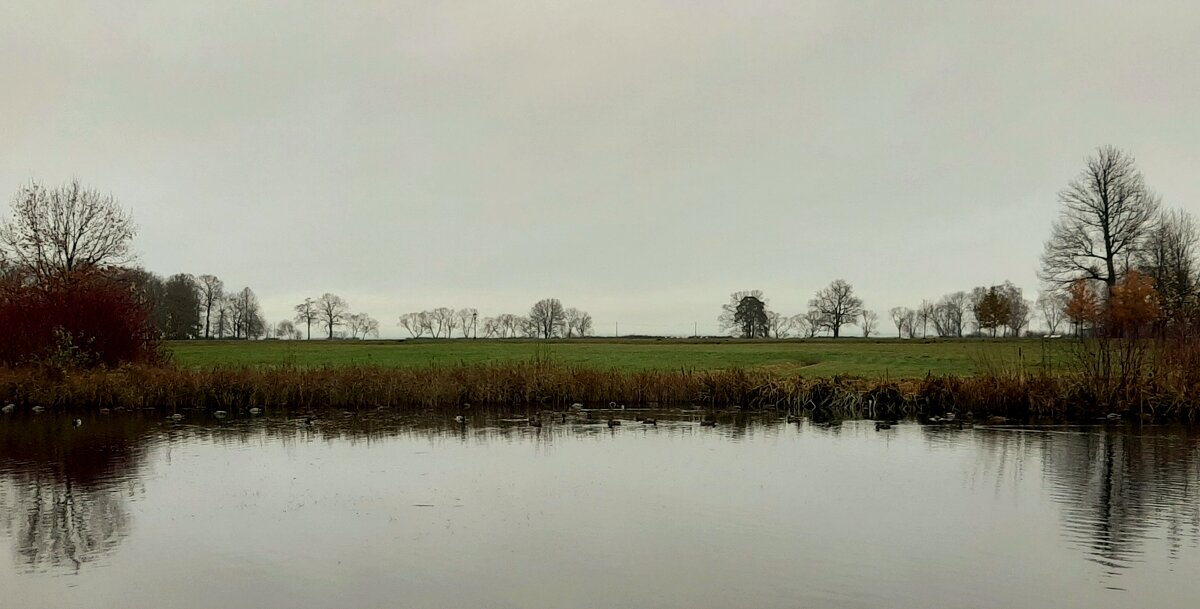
(534, 385)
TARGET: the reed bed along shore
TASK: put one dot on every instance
(527, 387)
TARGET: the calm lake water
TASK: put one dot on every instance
(377, 511)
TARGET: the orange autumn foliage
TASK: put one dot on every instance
(1134, 304)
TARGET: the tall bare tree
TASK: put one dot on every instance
(212, 290)
(306, 314)
(331, 311)
(1107, 214)
(837, 304)
(55, 232)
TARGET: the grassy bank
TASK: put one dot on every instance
(535, 386)
(874, 358)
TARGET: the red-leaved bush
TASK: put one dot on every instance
(88, 320)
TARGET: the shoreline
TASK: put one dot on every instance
(545, 386)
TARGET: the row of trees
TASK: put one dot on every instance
(547, 318)
(832, 308)
(1118, 262)
(992, 310)
(331, 312)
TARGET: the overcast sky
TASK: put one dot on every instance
(639, 160)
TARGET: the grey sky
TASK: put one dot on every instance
(639, 160)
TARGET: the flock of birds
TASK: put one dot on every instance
(577, 410)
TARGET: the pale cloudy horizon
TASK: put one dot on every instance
(638, 160)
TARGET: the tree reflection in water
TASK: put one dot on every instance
(64, 491)
(1119, 488)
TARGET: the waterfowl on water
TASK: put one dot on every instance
(653, 422)
(176, 417)
(576, 406)
(461, 420)
(309, 421)
(997, 420)
(220, 414)
(613, 422)
(76, 422)
(38, 409)
(1112, 416)
(8, 408)
(105, 411)
(535, 422)
(256, 411)
(791, 418)
(881, 425)
(564, 417)
(708, 422)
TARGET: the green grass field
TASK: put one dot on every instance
(818, 357)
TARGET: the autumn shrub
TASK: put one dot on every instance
(85, 321)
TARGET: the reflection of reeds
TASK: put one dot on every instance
(1011, 391)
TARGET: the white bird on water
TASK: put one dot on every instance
(8, 408)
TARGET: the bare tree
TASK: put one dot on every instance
(285, 329)
(578, 323)
(1107, 215)
(414, 323)
(780, 326)
(1053, 307)
(55, 232)
(211, 292)
(362, 324)
(815, 321)
(467, 320)
(491, 327)
(331, 311)
(246, 315)
(870, 319)
(306, 314)
(548, 318)
(800, 325)
(837, 304)
(899, 314)
(1168, 259)
(510, 325)
(925, 314)
(441, 320)
(949, 313)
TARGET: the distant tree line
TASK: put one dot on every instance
(547, 318)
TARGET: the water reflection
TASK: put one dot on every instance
(1119, 489)
(1118, 497)
(64, 490)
